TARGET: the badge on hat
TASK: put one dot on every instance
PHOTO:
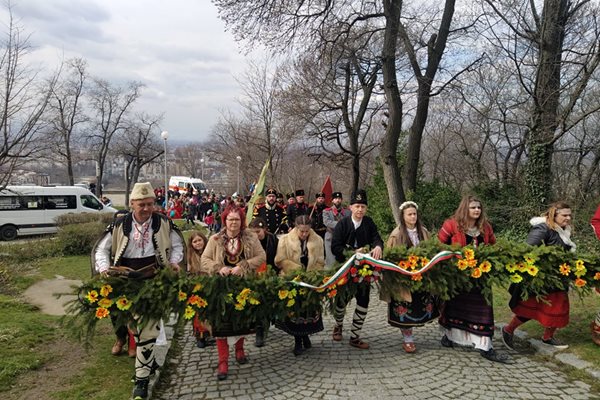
(289, 195)
(271, 191)
(336, 195)
(319, 194)
(300, 192)
(359, 197)
(142, 190)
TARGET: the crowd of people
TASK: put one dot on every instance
(296, 236)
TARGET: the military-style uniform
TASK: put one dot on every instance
(316, 217)
(275, 216)
(331, 216)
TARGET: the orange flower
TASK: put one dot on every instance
(472, 263)
(413, 260)
(424, 261)
(416, 277)
(342, 281)
(404, 264)
(485, 266)
(105, 290)
(325, 279)
(102, 312)
(332, 293)
(105, 302)
(462, 264)
(262, 268)
(597, 276)
(182, 296)
(476, 273)
(565, 269)
(580, 282)
(469, 254)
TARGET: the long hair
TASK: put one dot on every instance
(231, 207)
(551, 212)
(461, 215)
(403, 231)
(193, 255)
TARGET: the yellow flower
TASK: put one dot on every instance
(239, 306)
(105, 302)
(189, 313)
(201, 303)
(325, 279)
(291, 302)
(197, 288)
(580, 270)
(469, 254)
(243, 296)
(529, 260)
(462, 264)
(522, 267)
(565, 269)
(123, 303)
(254, 301)
(92, 296)
(302, 292)
(580, 282)
(342, 281)
(297, 278)
(283, 294)
(424, 261)
(182, 296)
(510, 268)
(516, 278)
(293, 293)
(476, 273)
(102, 312)
(472, 263)
(579, 264)
(485, 266)
(532, 270)
(105, 290)
(413, 260)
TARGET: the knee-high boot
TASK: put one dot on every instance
(223, 351)
(240, 356)
(131, 351)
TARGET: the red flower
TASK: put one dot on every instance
(353, 271)
(400, 310)
(355, 279)
(262, 268)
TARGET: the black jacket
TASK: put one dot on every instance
(346, 237)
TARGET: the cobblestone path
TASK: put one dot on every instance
(334, 370)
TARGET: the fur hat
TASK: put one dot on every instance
(359, 197)
(336, 195)
(300, 192)
(271, 191)
(142, 190)
(319, 194)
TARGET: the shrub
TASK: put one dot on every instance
(78, 239)
(82, 218)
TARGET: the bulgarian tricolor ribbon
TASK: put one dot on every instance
(364, 258)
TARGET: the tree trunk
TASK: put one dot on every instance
(389, 146)
(70, 166)
(538, 171)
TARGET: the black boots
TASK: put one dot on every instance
(260, 336)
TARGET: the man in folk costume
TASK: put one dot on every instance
(272, 213)
(139, 243)
(331, 216)
(355, 232)
(299, 207)
(316, 215)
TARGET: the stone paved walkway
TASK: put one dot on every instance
(334, 370)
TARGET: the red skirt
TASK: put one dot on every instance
(552, 315)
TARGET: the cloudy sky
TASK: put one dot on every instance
(178, 48)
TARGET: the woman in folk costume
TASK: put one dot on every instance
(467, 318)
(233, 251)
(301, 249)
(196, 245)
(551, 229)
(407, 310)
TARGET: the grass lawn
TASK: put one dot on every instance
(576, 334)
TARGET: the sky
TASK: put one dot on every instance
(178, 49)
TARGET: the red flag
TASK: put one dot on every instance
(327, 190)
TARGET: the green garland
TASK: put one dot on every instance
(240, 303)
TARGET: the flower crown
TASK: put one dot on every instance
(407, 204)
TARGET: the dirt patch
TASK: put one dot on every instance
(65, 361)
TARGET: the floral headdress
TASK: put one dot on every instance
(408, 204)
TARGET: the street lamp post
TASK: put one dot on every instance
(202, 166)
(238, 158)
(165, 135)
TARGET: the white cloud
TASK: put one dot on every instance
(177, 48)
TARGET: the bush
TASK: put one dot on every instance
(436, 203)
(78, 239)
(82, 218)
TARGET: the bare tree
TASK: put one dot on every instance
(66, 113)
(139, 145)
(110, 105)
(23, 101)
(190, 156)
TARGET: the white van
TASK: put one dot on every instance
(30, 210)
(182, 182)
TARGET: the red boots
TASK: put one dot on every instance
(223, 351)
(240, 356)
